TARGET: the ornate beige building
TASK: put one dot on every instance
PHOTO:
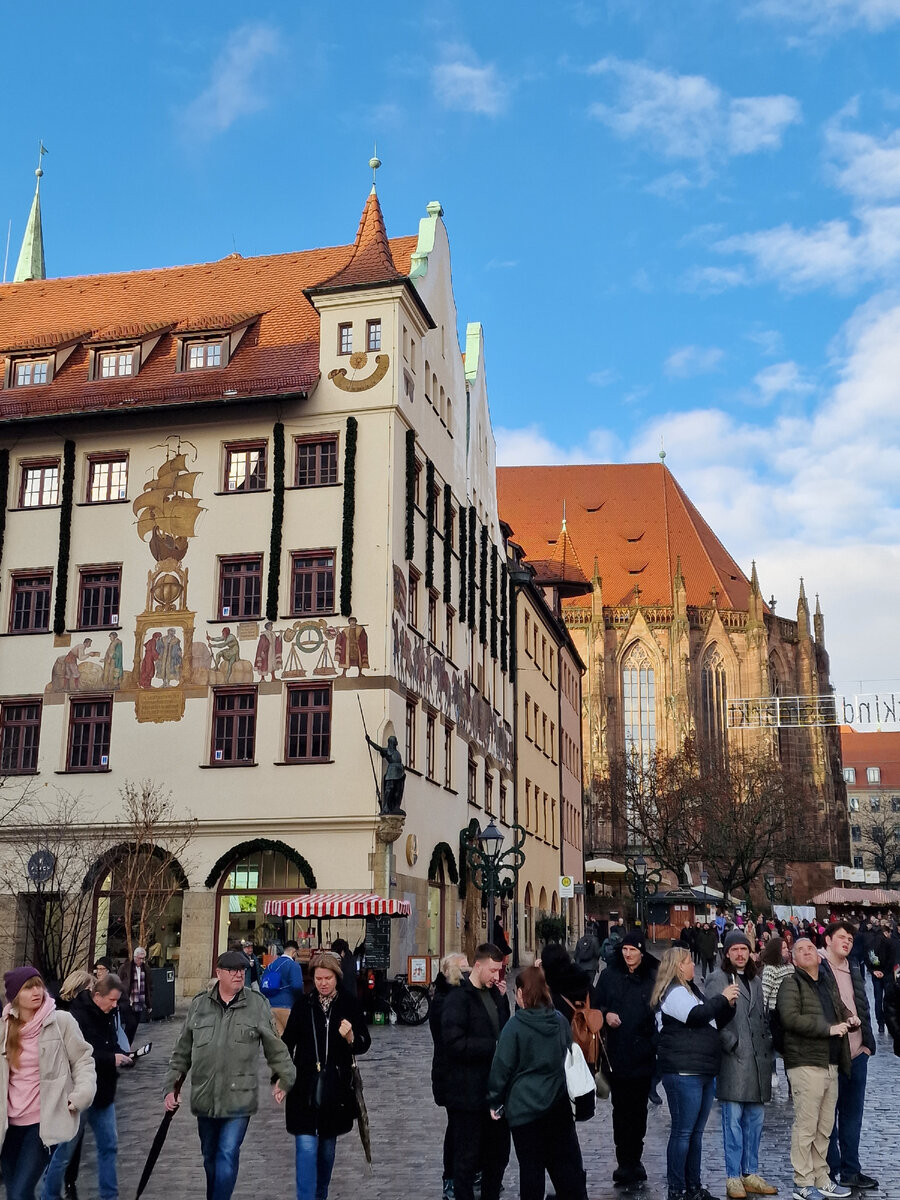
(249, 506)
(671, 631)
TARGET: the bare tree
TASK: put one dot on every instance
(882, 843)
(47, 858)
(149, 862)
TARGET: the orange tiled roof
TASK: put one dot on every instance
(279, 354)
(861, 750)
(371, 260)
(637, 521)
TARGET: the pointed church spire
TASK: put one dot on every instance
(30, 264)
(754, 580)
(819, 623)
(370, 260)
(802, 612)
(755, 601)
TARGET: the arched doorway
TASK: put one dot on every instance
(247, 876)
(528, 918)
(144, 889)
(441, 868)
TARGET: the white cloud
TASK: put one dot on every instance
(863, 165)
(834, 254)
(604, 378)
(464, 84)
(711, 280)
(688, 361)
(236, 86)
(829, 16)
(783, 379)
(769, 341)
(530, 447)
(812, 495)
(688, 116)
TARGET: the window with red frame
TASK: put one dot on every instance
(40, 484)
(312, 582)
(240, 587)
(30, 602)
(308, 732)
(90, 723)
(98, 597)
(245, 466)
(317, 464)
(107, 478)
(20, 732)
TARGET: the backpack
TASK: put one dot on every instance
(272, 980)
(586, 1025)
(608, 949)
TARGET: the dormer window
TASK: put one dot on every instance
(115, 363)
(29, 372)
(200, 355)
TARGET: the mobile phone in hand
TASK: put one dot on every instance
(142, 1050)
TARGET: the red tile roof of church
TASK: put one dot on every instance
(279, 354)
(635, 518)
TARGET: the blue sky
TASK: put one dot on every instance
(676, 219)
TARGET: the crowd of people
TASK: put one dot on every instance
(503, 1059)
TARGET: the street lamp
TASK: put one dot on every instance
(775, 888)
(494, 871)
(642, 883)
(704, 879)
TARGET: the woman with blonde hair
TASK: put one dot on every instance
(689, 1055)
(47, 1077)
(73, 984)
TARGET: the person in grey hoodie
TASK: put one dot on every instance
(527, 1085)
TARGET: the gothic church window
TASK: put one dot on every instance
(713, 704)
(639, 702)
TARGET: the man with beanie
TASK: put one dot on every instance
(815, 1023)
(843, 1150)
(744, 1081)
(219, 1043)
(622, 994)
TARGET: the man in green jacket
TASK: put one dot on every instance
(815, 1023)
(219, 1043)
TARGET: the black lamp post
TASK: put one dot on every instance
(642, 883)
(775, 888)
(494, 871)
(704, 879)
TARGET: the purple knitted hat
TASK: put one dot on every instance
(13, 980)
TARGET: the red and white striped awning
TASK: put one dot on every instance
(338, 904)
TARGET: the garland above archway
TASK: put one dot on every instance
(109, 858)
(237, 852)
(443, 852)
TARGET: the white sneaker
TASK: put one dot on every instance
(835, 1190)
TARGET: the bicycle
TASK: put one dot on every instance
(407, 1003)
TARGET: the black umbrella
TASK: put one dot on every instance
(161, 1135)
(362, 1117)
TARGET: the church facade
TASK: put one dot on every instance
(672, 631)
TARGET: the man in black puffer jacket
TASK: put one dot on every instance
(622, 994)
(474, 1014)
(453, 968)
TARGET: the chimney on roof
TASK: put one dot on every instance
(30, 264)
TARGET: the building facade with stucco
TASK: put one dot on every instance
(249, 513)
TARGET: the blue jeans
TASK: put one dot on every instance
(742, 1126)
(103, 1123)
(690, 1100)
(220, 1141)
(22, 1160)
(315, 1162)
(843, 1149)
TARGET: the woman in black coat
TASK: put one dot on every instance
(450, 977)
(324, 1031)
(623, 994)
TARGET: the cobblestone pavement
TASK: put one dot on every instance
(407, 1132)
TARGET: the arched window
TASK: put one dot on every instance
(714, 705)
(639, 702)
(528, 930)
(253, 874)
(145, 886)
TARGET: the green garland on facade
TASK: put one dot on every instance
(494, 557)
(513, 639)
(274, 579)
(236, 853)
(463, 554)
(430, 518)
(443, 851)
(448, 539)
(410, 493)
(65, 537)
(347, 529)
(471, 571)
(4, 489)
(483, 584)
(504, 624)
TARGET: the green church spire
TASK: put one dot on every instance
(31, 256)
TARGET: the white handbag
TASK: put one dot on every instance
(579, 1083)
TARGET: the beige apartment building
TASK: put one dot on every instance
(250, 507)
(547, 680)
